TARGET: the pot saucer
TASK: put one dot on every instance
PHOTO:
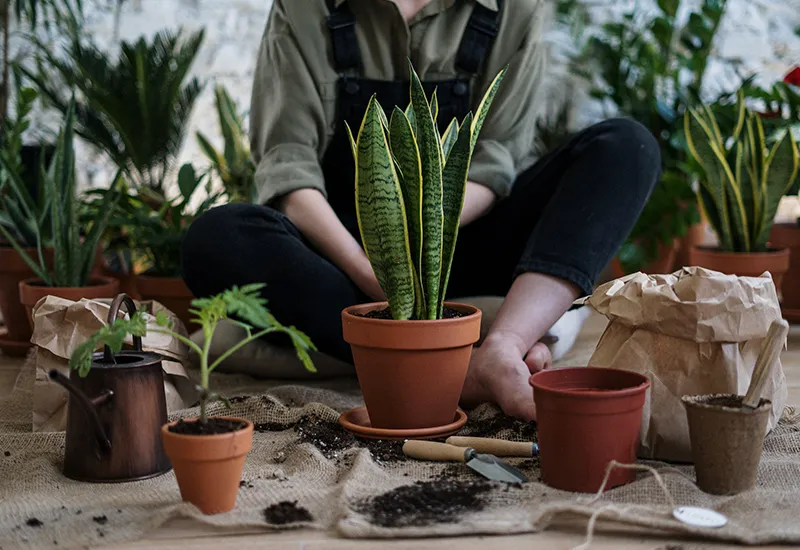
(356, 421)
(791, 315)
(13, 348)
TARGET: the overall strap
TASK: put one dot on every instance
(342, 25)
(478, 37)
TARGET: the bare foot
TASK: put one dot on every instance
(499, 374)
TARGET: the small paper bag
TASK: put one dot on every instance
(691, 332)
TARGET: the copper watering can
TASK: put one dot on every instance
(115, 414)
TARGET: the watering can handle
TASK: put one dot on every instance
(120, 300)
(89, 405)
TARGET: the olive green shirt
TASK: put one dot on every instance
(293, 107)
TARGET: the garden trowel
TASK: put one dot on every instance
(489, 466)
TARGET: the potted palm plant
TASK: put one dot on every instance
(207, 452)
(742, 183)
(411, 353)
(74, 251)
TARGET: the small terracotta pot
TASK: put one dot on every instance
(787, 235)
(208, 468)
(661, 265)
(32, 290)
(727, 443)
(588, 417)
(13, 269)
(171, 292)
(411, 372)
(751, 264)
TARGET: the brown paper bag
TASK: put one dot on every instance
(61, 325)
(691, 332)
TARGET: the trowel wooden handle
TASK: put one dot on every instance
(496, 447)
(770, 351)
(431, 450)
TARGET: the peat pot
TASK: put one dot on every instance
(727, 441)
(588, 417)
(115, 414)
(411, 372)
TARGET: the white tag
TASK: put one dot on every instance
(699, 517)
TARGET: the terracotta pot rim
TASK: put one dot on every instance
(350, 311)
(772, 252)
(156, 277)
(697, 402)
(210, 438)
(643, 386)
(103, 281)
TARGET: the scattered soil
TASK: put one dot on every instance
(245, 484)
(731, 401)
(100, 520)
(384, 450)
(7, 453)
(386, 313)
(286, 512)
(532, 463)
(211, 427)
(34, 522)
(425, 503)
(271, 426)
(500, 424)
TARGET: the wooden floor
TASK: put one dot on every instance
(182, 534)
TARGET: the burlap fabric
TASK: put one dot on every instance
(327, 479)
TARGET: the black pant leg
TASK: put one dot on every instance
(238, 244)
(566, 216)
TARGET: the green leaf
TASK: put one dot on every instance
(485, 104)
(780, 170)
(734, 193)
(187, 181)
(449, 138)
(381, 215)
(669, 7)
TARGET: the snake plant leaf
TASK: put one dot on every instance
(454, 183)
(412, 119)
(736, 204)
(432, 213)
(740, 115)
(406, 153)
(381, 214)
(485, 104)
(107, 208)
(209, 150)
(711, 121)
(753, 167)
(449, 138)
(434, 106)
(353, 147)
(749, 188)
(780, 171)
(699, 138)
(36, 267)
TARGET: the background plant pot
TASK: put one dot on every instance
(696, 235)
(32, 290)
(749, 264)
(662, 264)
(411, 372)
(171, 292)
(208, 468)
(13, 269)
(726, 443)
(587, 417)
(787, 235)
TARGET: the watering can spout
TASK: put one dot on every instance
(88, 405)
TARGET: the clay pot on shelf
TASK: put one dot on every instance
(787, 235)
(411, 372)
(171, 292)
(208, 468)
(750, 264)
(15, 339)
(727, 441)
(33, 290)
(697, 235)
(588, 417)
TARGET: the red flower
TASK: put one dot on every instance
(793, 77)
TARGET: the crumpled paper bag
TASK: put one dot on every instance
(691, 332)
(61, 325)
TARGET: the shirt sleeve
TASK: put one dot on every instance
(287, 119)
(506, 140)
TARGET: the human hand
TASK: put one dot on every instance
(500, 372)
(366, 280)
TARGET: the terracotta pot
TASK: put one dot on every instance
(662, 264)
(588, 417)
(171, 292)
(411, 372)
(32, 290)
(787, 235)
(13, 269)
(727, 442)
(751, 264)
(695, 236)
(208, 468)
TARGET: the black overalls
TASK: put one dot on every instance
(355, 91)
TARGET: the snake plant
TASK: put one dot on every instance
(410, 185)
(743, 179)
